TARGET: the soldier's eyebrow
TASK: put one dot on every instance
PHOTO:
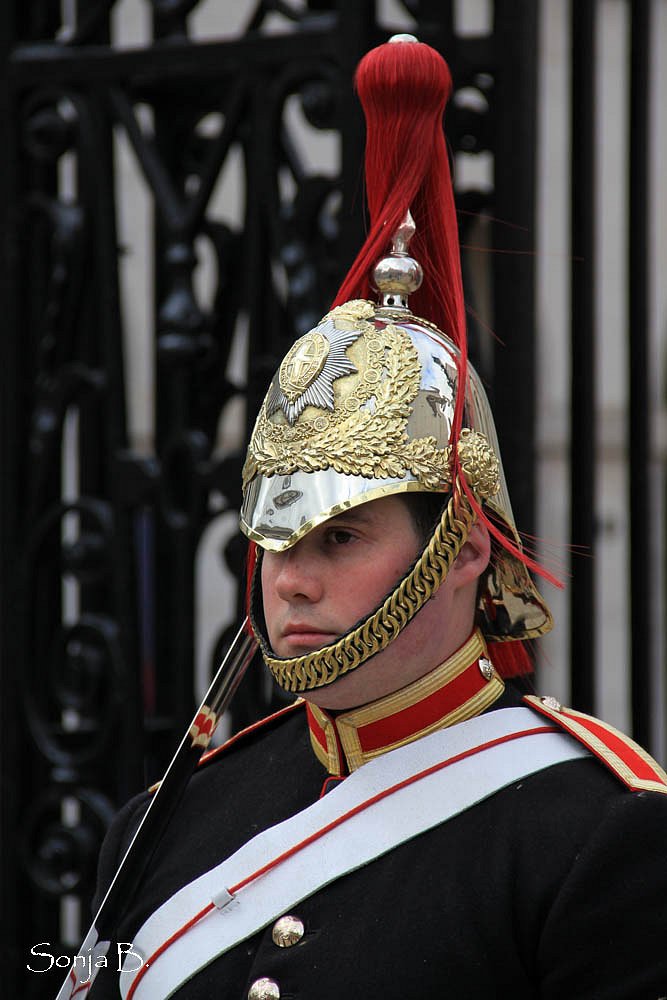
(358, 513)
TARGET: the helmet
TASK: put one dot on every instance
(373, 402)
(362, 407)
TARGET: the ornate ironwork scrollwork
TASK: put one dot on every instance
(61, 857)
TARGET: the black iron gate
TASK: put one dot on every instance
(100, 536)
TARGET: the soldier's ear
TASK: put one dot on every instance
(474, 557)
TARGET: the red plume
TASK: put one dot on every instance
(403, 88)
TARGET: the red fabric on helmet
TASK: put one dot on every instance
(251, 560)
(511, 659)
(403, 88)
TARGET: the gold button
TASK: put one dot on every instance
(287, 931)
(552, 703)
(264, 989)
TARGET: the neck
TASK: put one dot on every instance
(463, 686)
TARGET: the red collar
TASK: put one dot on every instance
(462, 686)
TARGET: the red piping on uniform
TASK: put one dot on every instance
(327, 829)
(167, 944)
(337, 778)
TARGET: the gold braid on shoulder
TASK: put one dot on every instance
(322, 666)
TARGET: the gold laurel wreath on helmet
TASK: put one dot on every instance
(353, 438)
(325, 665)
(370, 442)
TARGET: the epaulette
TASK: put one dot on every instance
(217, 751)
(625, 758)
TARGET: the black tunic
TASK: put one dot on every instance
(555, 887)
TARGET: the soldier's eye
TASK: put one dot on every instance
(339, 536)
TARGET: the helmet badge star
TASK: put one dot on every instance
(309, 370)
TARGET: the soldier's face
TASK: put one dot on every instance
(340, 572)
(336, 575)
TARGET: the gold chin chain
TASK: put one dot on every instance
(324, 666)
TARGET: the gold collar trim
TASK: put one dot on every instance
(461, 687)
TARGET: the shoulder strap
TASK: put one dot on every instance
(624, 758)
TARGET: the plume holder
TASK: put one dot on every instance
(398, 275)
